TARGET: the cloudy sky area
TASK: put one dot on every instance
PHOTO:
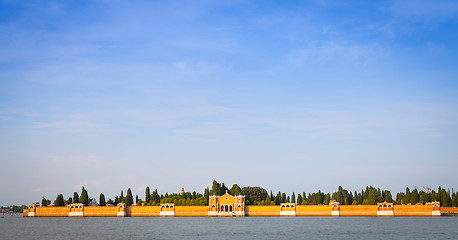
(290, 96)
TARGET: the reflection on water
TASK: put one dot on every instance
(17, 227)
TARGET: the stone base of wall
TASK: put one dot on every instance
(436, 213)
(31, 214)
(121, 214)
(287, 213)
(167, 213)
(226, 214)
(335, 213)
(385, 213)
(76, 214)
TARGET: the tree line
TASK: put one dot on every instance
(259, 196)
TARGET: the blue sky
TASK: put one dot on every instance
(294, 96)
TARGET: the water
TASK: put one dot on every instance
(182, 228)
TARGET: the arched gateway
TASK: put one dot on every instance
(226, 205)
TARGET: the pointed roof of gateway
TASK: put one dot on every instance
(227, 195)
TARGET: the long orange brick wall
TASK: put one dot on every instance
(301, 210)
(312, 210)
(412, 210)
(362, 210)
(449, 210)
(145, 211)
(52, 211)
(262, 210)
(191, 211)
(109, 211)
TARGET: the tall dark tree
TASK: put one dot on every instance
(129, 199)
(59, 200)
(76, 197)
(102, 200)
(388, 197)
(299, 199)
(293, 198)
(147, 195)
(216, 187)
(84, 198)
(235, 190)
(44, 202)
(223, 189)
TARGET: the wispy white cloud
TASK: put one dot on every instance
(44, 189)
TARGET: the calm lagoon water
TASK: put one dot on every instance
(17, 227)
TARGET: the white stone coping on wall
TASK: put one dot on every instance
(385, 213)
(167, 213)
(287, 213)
(335, 213)
(76, 214)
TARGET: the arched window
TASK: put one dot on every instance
(226, 208)
(222, 208)
(230, 208)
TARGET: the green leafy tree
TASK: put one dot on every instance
(129, 199)
(102, 200)
(235, 190)
(293, 198)
(254, 194)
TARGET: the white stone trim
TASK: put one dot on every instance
(212, 213)
(31, 214)
(287, 213)
(76, 214)
(335, 213)
(167, 213)
(436, 213)
(385, 213)
(121, 214)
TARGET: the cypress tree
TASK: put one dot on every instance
(44, 202)
(76, 197)
(129, 199)
(299, 199)
(136, 199)
(388, 197)
(59, 200)
(84, 198)
(413, 197)
(102, 200)
(147, 195)
(293, 198)
(327, 199)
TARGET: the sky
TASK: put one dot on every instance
(286, 95)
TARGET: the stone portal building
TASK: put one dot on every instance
(226, 205)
